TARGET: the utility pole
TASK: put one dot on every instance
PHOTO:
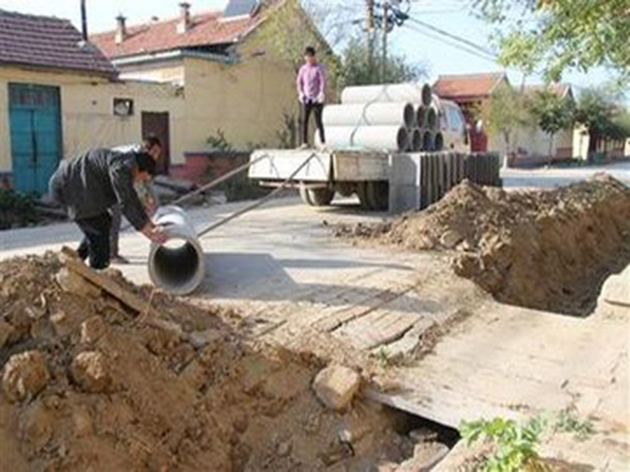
(369, 35)
(84, 28)
(385, 32)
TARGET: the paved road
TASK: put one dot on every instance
(553, 177)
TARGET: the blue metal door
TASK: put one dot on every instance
(36, 148)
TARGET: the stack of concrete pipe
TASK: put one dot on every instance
(394, 117)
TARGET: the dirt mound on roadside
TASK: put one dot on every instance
(548, 250)
(89, 385)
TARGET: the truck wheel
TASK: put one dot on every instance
(378, 195)
(316, 196)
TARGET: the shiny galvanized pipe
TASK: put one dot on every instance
(178, 266)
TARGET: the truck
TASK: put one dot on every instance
(375, 176)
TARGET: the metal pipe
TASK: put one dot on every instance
(178, 266)
(220, 180)
(392, 138)
(257, 203)
(370, 114)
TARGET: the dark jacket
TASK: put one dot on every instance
(90, 185)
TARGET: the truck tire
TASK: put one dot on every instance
(316, 196)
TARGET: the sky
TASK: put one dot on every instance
(440, 58)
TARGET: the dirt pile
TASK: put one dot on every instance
(548, 250)
(89, 385)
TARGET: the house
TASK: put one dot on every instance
(473, 92)
(236, 83)
(534, 144)
(59, 96)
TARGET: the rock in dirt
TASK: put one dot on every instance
(6, 331)
(336, 386)
(93, 329)
(425, 457)
(25, 375)
(92, 372)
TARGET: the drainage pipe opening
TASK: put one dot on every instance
(178, 265)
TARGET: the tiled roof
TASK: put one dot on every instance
(467, 86)
(207, 29)
(48, 42)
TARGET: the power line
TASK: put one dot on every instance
(452, 36)
(455, 45)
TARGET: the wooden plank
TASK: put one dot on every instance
(129, 299)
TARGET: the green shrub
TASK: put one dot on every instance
(16, 209)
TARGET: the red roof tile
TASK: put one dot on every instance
(207, 29)
(48, 42)
(467, 86)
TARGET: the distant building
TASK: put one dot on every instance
(59, 96)
(232, 77)
(473, 92)
(183, 79)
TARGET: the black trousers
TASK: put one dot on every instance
(96, 240)
(317, 109)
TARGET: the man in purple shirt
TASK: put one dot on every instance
(311, 87)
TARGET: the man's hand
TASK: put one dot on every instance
(151, 207)
(156, 234)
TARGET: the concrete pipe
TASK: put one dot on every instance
(421, 116)
(369, 114)
(432, 119)
(390, 138)
(438, 143)
(416, 140)
(177, 266)
(427, 141)
(413, 92)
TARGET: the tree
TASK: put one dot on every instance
(361, 64)
(505, 114)
(562, 34)
(552, 113)
(603, 115)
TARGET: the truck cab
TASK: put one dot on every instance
(453, 127)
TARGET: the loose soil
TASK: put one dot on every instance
(548, 250)
(90, 385)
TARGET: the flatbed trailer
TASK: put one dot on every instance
(382, 180)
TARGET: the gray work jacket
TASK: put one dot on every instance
(91, 184)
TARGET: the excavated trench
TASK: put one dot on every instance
(547, 250)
